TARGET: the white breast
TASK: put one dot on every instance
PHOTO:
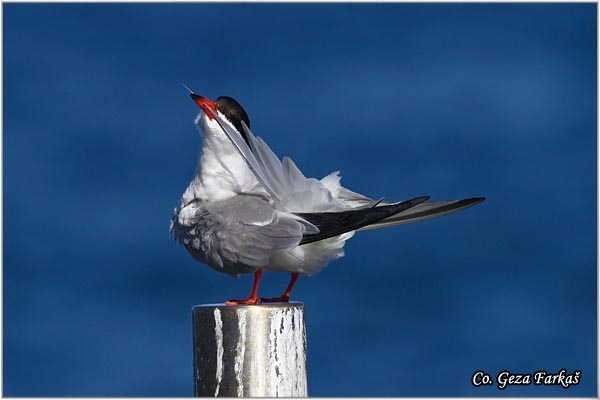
(221, 171)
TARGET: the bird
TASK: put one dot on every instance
(246, 210)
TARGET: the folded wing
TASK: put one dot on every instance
(425, 211)
(332, 224)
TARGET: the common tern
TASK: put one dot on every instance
(246, 210)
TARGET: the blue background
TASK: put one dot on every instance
(447, 100)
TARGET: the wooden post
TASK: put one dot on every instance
(249, 350)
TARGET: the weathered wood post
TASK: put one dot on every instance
(249, 350)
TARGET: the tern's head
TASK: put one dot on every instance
(225, 107)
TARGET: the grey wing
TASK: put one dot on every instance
(237, 235)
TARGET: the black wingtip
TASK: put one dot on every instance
(475, 200)
(332, 224)
(420, 199)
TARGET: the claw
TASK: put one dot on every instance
(249, 300)
(280, 299)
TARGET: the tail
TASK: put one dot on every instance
(424, 211)
(332, 224)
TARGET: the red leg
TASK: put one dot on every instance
(253, 299)
(285, 297)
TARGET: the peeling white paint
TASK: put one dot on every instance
(272, 367)
(240, 349)
(299, 342)
(220, 351)
(287, 359)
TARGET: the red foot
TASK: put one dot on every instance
(280, 299)
(285, 297)
(249, 300)
(253, 299)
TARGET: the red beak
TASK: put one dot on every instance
(205, 104)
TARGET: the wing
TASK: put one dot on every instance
(332, 224)
(293, 191)
(281, 179)
(242, 147)
(239, 234)
(425, 211)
